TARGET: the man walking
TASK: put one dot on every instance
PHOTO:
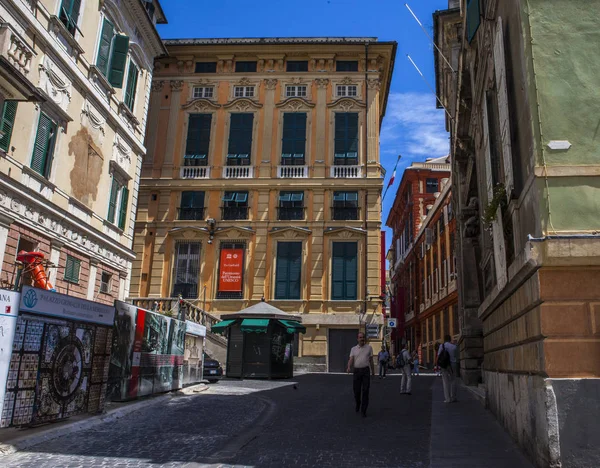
(383, 357)
(405, 362)
(361, 359)
(446, 360)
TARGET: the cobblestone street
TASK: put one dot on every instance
(263, 423)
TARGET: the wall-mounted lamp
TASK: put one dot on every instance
(211, 223)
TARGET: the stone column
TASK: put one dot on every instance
(266, 158)
(167, 167)
(321, 157)
(5, 223)
(92, 279)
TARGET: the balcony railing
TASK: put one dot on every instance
(292, 172)
(346, 172)
(15, 48)
(195, 172)
(191, 214)
(344, 213)
(234, 212)
(290, 213)
(238, 172)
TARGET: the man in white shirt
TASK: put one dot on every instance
(449, 371)
(361, 359)
(406, 382)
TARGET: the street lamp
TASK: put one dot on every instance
(212, 224)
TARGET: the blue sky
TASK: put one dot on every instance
(412, 126)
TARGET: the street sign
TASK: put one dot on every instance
(391, 323)
(373, 331)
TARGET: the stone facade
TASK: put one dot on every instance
(266, 81)
(526, 187)
(73, 123)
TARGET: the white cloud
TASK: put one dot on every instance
(414, 127)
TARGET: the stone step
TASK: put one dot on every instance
(310, 364)
(479, 392)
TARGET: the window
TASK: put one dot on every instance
(43, 148)
(346, 139)
(9, 111)
(72, 269)
(294, 139)
(345, 206)
(105, 282)
(117, 203)
(198, 140)
(346, 66)
(240, 140)
(206, 67)
(344, 271)
(112, 54)
(243, 91)
(130, 89)
(288, 272)
(235, 205)
(192, 206)
(431, 185)
(346, 90)
(291, 206)
(205, 92)
(245, 67)
(69, 13)
(296, 66)
(295, 91)
(186, 269)
(473, 18)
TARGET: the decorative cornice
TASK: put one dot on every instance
(295, 103)
(242, 104)
(176, 85)
(346, 104)
(201, 104)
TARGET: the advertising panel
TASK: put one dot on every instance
(231, 270)
(9, 308)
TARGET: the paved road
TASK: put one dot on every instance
(264, 424)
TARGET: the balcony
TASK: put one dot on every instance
(290, 213)
(292, 172)
(15, 48)
(344, 213)
(346, 172)
(191, 214)
(231, 213)
(195, 172)
(238, 172)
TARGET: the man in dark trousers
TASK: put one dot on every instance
(361, 359)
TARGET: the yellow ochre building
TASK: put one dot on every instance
(263, 181)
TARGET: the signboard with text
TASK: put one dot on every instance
(372, 331)
(231, 266)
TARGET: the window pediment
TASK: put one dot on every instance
(295, 104)
(243, 104)
(188, 232)
(345, 233)
(289, 232)
(347, 104)
(235, 232)
(201, 104)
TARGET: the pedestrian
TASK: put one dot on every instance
(446, 360)
(415, 362)
(383, 357)
(405, 362)
(361, 360)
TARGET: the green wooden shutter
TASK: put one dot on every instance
(9, 112)
(344, 271)
(337, 271)
(240, 134)
(346, 133)
(294, 133)
(473, 18)
(198, 137)
(123, 208)
(43, 146)
(282, 272)
(294, 269)
(72, 269)
(132, 79)
(118, 59)
(351, 270)
(106, 37)
(112, 201)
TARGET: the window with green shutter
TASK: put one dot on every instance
(123, 207)
(293, 143)
(346, 139)
(192, 206)
(106, 37)
(69, 14)
(130, 89)
(240, 139)
(112, 200)
(112, 54)
(473, 18)
(288, 271)
(198, 140)
(72, 269)
(344, 271)
(43, 148)
(9, 111)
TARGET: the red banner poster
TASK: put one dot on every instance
(230, 279)
(137, 353)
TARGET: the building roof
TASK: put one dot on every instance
(272, 40)
(263, 310)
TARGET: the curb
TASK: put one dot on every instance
(26, 441)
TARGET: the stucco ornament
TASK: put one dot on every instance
(347, 81)
(374, 83)
(245, 82)
(157, 86)
(295, 104)
(93, 118)
(271, 83)
(55, 83)
(122, 153)
(176, 85)
(322, 82)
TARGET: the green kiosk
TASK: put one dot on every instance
(261, 341)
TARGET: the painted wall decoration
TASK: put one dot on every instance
(59, 365)
(147, 353)
(231, 267)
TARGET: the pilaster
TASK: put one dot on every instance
(174, 112)
(269, 125)
(321, 158)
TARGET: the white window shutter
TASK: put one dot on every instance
(489, 185)
(500, 67)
